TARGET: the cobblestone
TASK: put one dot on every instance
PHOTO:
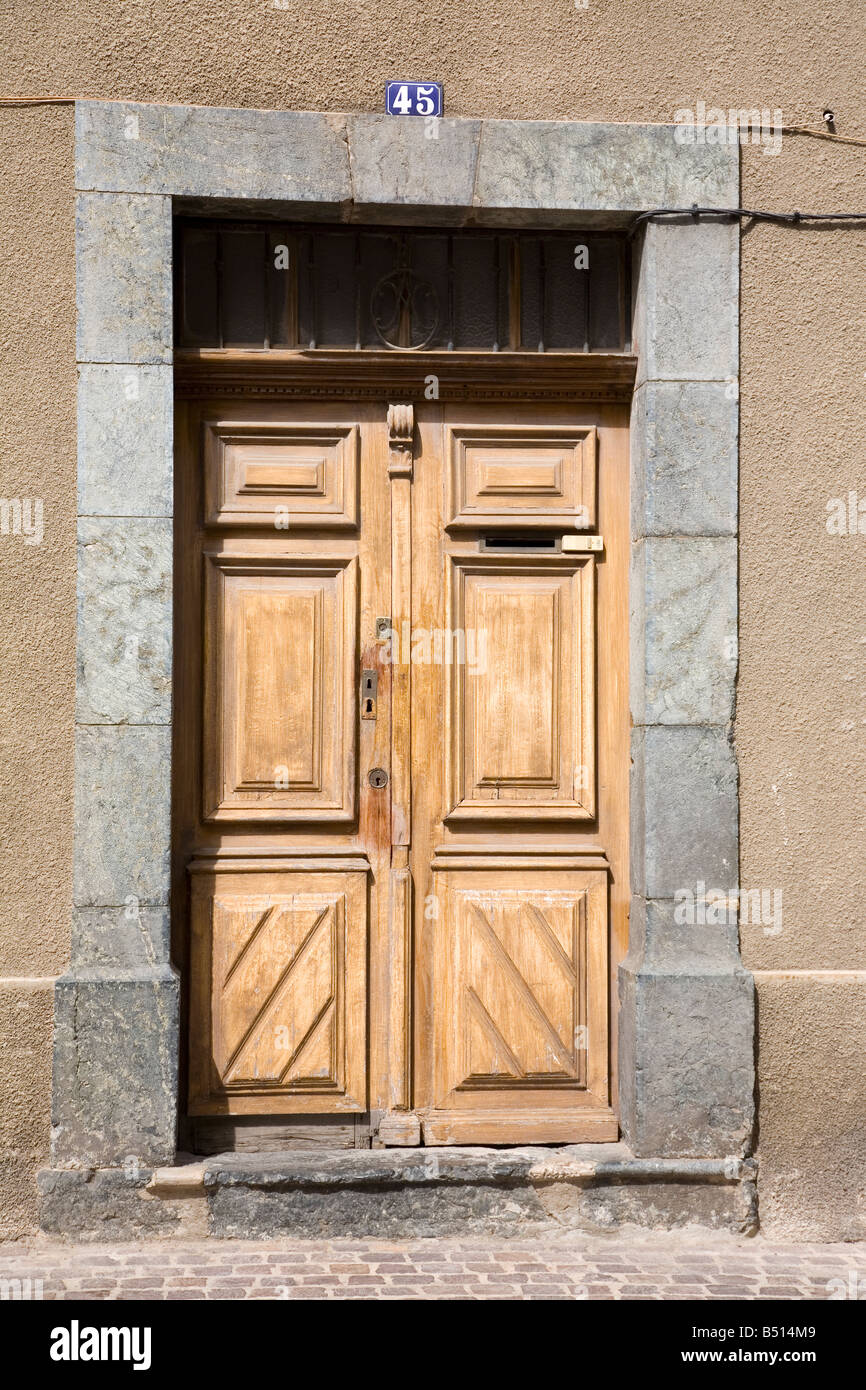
(679, 1265)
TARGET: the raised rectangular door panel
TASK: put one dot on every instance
(521, 476)
(280, 710)
(281, 475)
(520, 1002)
(521, 694)
(279, 990)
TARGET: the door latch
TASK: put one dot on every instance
(369, 691)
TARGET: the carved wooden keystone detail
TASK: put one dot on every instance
(401, 426)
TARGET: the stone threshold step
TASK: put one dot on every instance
(401, 1193)
(571, 1163)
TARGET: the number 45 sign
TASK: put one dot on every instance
(413, 98)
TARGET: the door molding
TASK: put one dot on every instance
(461, 376)
(686, 1015)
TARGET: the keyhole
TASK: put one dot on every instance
(378, 777)
(368, 706)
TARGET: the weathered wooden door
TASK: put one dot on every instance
(290, 855)
(407, 859)
(516, 800)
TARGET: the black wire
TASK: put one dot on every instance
(755, 214)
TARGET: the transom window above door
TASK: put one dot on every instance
(254, 285)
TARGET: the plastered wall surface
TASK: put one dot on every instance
(800, 715)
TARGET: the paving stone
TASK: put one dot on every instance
(572, 1267)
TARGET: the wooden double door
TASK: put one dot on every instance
(401, 762)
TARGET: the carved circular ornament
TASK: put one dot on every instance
(404, 297)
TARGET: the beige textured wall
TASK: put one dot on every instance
(801, 710)
(37, 602)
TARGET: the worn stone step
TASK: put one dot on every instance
(402, 1193)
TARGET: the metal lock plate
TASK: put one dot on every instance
(369, 691)
(378, 778)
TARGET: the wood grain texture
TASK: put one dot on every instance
(263, 473)
(528, 476)
(439, 953)
(280, 714)
(519, 825)
(521, 701)
(279, 994)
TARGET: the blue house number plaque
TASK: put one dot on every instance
(413, 98)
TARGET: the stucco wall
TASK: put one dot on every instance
(799, 723)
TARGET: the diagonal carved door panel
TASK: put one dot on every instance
(280, 991)
(521, 1027)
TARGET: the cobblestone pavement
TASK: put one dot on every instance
(641, 1266)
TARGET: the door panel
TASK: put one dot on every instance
(525, 474)
(280, 990)
(521, 704)
(265, 473)
(280, 711)
(520, 1026)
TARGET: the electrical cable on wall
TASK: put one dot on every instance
(791, 219)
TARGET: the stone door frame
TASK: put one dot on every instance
(686, 1002)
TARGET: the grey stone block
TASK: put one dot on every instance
(123, 269)
(685, 810)
(115, 1068)
(124, 938)
(421, 1167)
(124, 621)
(532, 167)
(112, 1204)
(683, 660)
(244, 1213)
(430, 1192)
(294, 157)
(684, 459)
(671, 1205)
(662, 940)
(396, 163)
(122, 831)
(125, 431)
(686, 310)
(687, 1079)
